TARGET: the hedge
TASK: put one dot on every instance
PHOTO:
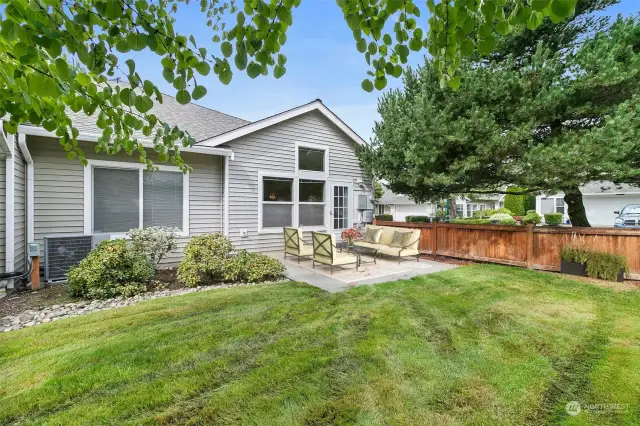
(417, 219)
(385, 217)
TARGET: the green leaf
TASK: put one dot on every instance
(225, 76)
(540, 5)
(227, 49)
(143, 103)
(83, 79)
(467, 48)
(183, 97)
(367, 85)
(454, 83)
(43, 85)
(380, 83)
(563, 8)
(279, 71)
(113, 9)
(486, 46)
(136, 41)
(361, 45)
(241, 60)
(535, 20)
(254, 70)
(503, 27)
(180, 83)
(168, 75)
(203, 68)
(131, 65)
(168, 63)
(62, 68)
(282, 59)
(387, 39)
(127, 96)
(198, 92)
(10, 30)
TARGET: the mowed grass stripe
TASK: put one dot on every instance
(479, 344)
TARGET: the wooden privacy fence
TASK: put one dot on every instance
(536, 247)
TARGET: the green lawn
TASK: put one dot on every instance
(475, 345)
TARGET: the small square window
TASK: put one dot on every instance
(311, 159)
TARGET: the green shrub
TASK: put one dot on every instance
(509, 221)
(384, 217)
(605, 266)
(497, 217)
(490, 212)
(204, 260)
(470, 221)
(519, 204)
(417, 219)
(553, 219)
(531, 217)
(112, 269)
(251, 267)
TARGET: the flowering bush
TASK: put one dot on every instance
(350, 234)
(155, 242)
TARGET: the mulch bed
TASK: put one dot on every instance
(446, 259)
(56, 294)
(26, 299)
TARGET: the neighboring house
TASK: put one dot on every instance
(400, 206)
(600, 200)
(296, 168)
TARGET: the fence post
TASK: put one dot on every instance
(530, 245)
(434, 239)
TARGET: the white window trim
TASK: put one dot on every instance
(310, 174)
(350, 206)
(325, 203)
(293, 202)
(88, 191)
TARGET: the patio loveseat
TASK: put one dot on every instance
(391, 241)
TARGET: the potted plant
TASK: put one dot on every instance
(577, 259)
(349, 235)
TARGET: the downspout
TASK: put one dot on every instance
(22, 144)
(9, 247)
(226, 196)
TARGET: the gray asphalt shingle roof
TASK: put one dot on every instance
(604, 187)
(201, 122)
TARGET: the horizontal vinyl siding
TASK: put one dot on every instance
(273, 150)
(20, 203)
(59, 191)
(3, 206)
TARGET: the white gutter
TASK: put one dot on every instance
(22, 144)
(146, 142)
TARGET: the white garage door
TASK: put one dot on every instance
(600, 208)
(404, 210)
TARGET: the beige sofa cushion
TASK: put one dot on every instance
(400, 238)
(372, 235)
(387, 235)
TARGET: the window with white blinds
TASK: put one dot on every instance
(116, 200)
(162, 195)
(119, 205)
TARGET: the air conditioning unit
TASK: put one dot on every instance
(61, 252)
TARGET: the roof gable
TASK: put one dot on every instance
(249, 128)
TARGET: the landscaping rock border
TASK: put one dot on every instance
(33, 317)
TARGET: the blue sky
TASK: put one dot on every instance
(322, 63)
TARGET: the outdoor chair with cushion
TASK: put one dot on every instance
(325, 252)
(295, 245)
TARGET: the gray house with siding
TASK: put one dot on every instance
(249, 179)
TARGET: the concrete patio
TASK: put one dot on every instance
(384, 270)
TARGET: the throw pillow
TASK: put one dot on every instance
(372, 235)
(399, 238)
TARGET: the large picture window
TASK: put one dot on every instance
(125, 196)
(277, 202)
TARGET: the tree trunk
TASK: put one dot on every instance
(577, 213)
